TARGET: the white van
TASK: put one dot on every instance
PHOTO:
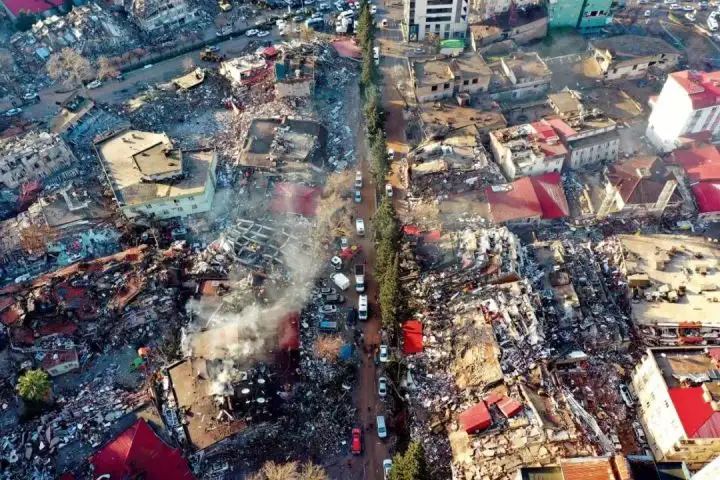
(382, 431)
(360, 226)
(341, 281)
(363, 307)
(376, 55)
(346, 14)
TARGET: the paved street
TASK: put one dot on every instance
(119, 91)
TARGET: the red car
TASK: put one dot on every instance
(356, 441)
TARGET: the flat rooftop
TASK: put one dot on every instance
(432, 72)
(191, 385)
(527, 65)
(681, 268)
(273, 142)
(566, 103)
(470, 65)
(449, 114)
(678, 363)
(130, 157)
(625, 47)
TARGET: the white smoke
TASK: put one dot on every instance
(243, 330)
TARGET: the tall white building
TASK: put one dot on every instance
(443, 18)
(688, 103)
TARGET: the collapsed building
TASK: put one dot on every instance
(294, 74)
(32, 157)
(161, 16)
(284, 144)
(527, 150)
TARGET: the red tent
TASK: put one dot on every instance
(475, 418)
(412, 330)
(139, 452)
(289, 332)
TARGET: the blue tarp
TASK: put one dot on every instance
(346, 352)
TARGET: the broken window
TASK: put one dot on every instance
(446, 86)
(474, 81)
(434, 88)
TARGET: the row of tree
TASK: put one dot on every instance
(387, 263)
(410, 465)
(370, 81)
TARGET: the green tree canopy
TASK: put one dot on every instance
(34, 385)
(411, 465)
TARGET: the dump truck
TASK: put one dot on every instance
(359, 277)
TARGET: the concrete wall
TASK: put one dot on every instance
(427, 94)
(592, 154)
(637, 68)
(522, 92)
(564, 13)
(294, 88)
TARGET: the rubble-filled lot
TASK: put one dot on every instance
(527, 348)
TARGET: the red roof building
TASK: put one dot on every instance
(701, 162)
(14, 7)
(475, 419)
(528, 199)
(139, 452)
(707, 198)
(412, 337)
(60, 362)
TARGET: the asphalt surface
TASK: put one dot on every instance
(113, 91)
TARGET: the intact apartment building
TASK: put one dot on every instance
(678, 391)
(490, 8)
(32, 157)
(151, 178)
(688, 103)
(581, 14)
(633, 56)
(527, 150)
(443, 18)
(162, 16)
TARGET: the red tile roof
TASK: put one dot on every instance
(412, 337)
(139, 452)
(707, 196)
(700, 162)
(547, 139)
(475, 418)
(703, 88)
(551, 195)
(32, 6)
(509, 406)
(529, 198)
(637, 189)
(696, 415)
(53, 359)
(587, 469)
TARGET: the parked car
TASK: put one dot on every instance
(327, 309)
(358, 196)
(690, 17)
(251, 33)
(648, 13)
(30, 96)
(13, 111)
(327, 291)
(387, 465)
(382, 387)
(344, 243)
(94, 84)
(148, 66)
(688, 8)
(298, 18)
(356, 443)
(336, 262)
(263, 33)
(384, 357)
(360, 226)
(675, 6)
(373, 9)
(334, 298)
(388, 190)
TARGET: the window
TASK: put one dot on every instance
(438, 19)
(466, 82)
(446, 86)
(437, 11)
(474, 81)
(194, 207)
(434, 88)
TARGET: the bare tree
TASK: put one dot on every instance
(188, 64)
(70, 67)
(35, 239)
(106, 69)
(280, 471)
(310, 471)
